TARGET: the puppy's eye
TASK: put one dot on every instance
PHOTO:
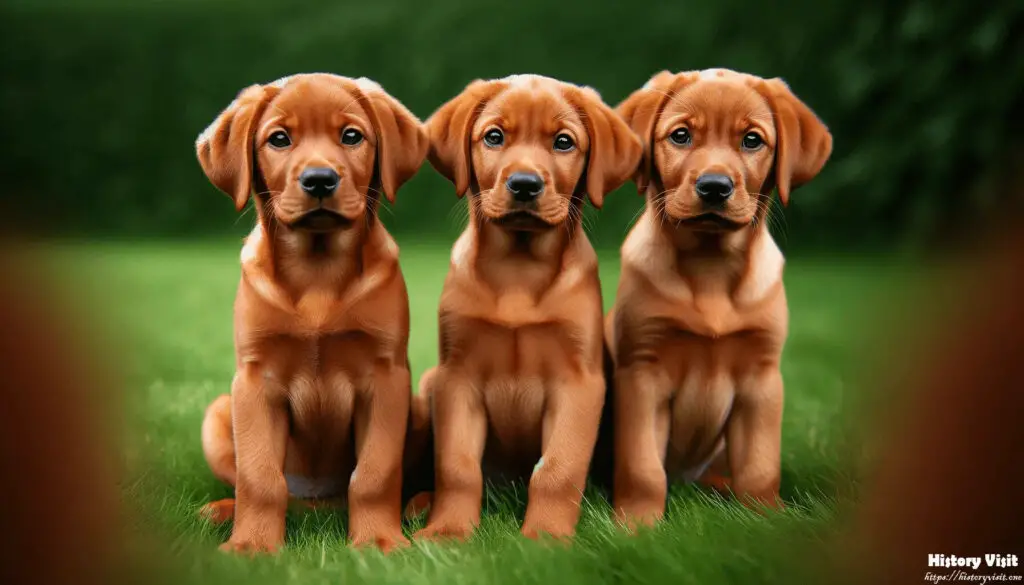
(680, 137)
(564, 143)
(351, 136)
(752, 141)
(494, 138)
(279, 139)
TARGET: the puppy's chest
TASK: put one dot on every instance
(690, 344)
(494, 351)
(513, 370)
(316, 312)
(313, 372)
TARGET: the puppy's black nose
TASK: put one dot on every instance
(319, 182)
(525, 186)
(713, 188)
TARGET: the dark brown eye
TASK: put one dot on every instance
(752, 141)
(351, 136)
(564, 143)
(680, 137)
(279, 139)
(494, 138)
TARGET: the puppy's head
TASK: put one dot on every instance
(529, 147)
(716, 143)
(316, 148)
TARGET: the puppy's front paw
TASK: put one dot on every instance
(386, 541)
(249, 546)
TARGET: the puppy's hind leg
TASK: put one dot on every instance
(219, 449)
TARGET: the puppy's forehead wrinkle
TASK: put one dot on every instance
(721, 98)
(568, 113)
(489, 109)
(352, 101)
(277, 108)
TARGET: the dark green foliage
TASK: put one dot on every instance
(101, 103)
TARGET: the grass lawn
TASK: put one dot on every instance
(172, 302)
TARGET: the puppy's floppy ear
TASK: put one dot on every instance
(401, 140)
(449, 131)
(225, 148)
(640, 111)
(804, 143)
(614, 149)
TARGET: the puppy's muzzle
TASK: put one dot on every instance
(319, 182)
(525, 187)
(713, 189)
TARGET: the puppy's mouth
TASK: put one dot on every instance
(321, 221)
(522, 220)
(712, 222)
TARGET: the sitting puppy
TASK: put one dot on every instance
(519, 387)
(320, 399)
(699, 322)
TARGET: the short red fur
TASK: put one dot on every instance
(320, 400)
(700, 318)
(519, 387)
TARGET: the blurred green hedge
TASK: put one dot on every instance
(102, 100)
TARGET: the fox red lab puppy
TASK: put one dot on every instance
(320, 399)
(519, 388)
(700, 319)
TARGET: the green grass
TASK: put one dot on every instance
(170, 307)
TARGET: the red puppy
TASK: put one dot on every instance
(519, 388)
(320, 399)
(698, 326)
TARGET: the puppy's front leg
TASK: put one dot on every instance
(571, 422)
(641, 435)
(375, 490)
(754, 440)
(260, 423)
(460, 432)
